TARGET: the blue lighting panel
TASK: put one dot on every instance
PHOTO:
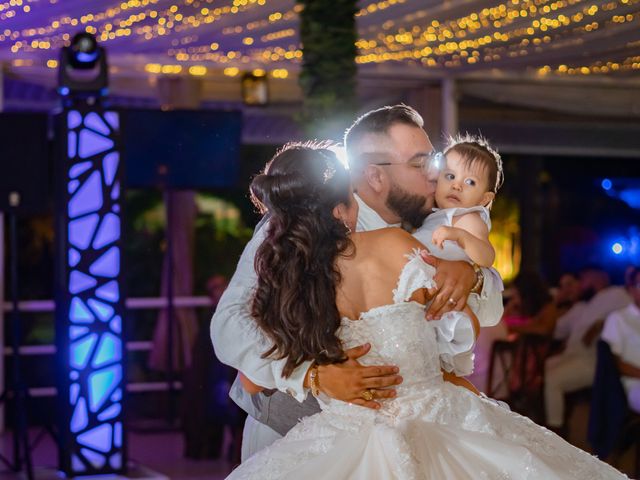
(90, 315)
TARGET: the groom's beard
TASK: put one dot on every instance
(410, 207)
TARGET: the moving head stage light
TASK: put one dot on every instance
(83, 68)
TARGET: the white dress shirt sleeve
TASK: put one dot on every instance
(612, 333)
(606, 302)
(488, 308)
(489, 303)
(238, 341)
(566, 322)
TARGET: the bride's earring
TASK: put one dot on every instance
(346, 225)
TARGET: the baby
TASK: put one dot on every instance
(467, 185)
(459, 228)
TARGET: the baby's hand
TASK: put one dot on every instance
(443, 233)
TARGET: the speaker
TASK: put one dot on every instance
(181, 149)
(26, 162)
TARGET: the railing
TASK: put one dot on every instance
(133, 346)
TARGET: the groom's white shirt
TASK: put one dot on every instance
(239, 343)
(369, 219)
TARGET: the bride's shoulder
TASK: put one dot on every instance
(391, 242)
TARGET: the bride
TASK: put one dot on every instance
(322, 289)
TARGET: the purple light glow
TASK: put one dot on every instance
(72, 144)
(108, 265)
(93, 120)
(108, 232)
(79, 282)
(81, 231)
(102, 310)
(95, 352)
(74, 257)
(109, 291)
(91, 143)
(110, 167)
(88, 198)
(79, 168)
(80, 419)
(74, 119)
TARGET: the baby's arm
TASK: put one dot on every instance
(472, 234)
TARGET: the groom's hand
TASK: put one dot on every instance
(347, 381)
(454, 280)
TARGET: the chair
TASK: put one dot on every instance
(612, 426)
(502, 356)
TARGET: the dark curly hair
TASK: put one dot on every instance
(534, 292)
(295, 299)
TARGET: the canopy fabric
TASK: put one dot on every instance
(415, 38)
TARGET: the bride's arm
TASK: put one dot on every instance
(248, 385)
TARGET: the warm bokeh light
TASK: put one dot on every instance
(473, 38)
(231, 71)
(198, 70)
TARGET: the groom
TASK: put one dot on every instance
(389, 155)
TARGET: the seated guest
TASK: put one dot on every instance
(573, 369)
(528, 296)
(568, 292)
(568, 299)
(482, 361)
(528, 299)
(622, 333)
(529, 304)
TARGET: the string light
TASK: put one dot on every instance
(505, 31)
(198, 70)
(280, 73)
(454, 43)
(231, 71)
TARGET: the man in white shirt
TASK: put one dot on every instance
(622, 333)
(568, 294)
(574, 368)
(389, 155)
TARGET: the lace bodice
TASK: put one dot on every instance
(400, 335)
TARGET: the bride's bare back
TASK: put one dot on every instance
(370, 275)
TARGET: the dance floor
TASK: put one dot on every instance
(156, 456)
(159, 455)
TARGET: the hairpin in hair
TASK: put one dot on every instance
(329, 171)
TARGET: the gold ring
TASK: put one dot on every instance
(452, 301)
(367, 395)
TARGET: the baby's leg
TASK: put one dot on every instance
(452, 356)
(459, 381)
(474, 320)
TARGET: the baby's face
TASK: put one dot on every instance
(462, 185)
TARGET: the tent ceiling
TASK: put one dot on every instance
(417, 39)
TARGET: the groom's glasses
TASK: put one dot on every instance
(419, 162)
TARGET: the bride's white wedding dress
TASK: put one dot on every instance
(431, 430)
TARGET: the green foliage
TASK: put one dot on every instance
(328, 77)
(220, 237)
